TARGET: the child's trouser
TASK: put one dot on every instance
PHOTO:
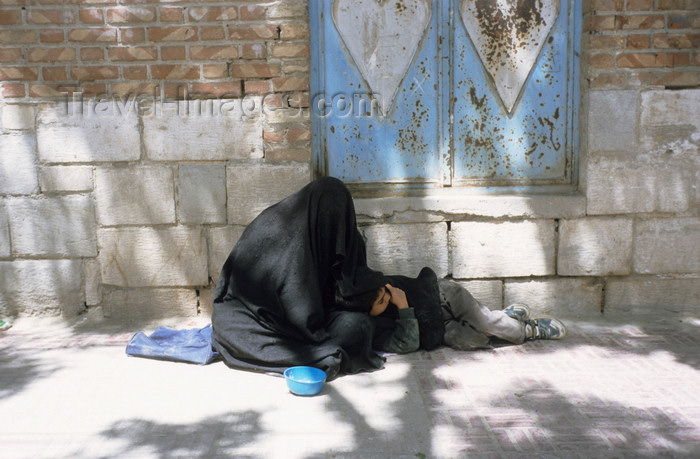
(469, 324)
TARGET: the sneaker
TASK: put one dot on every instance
(5, 325)
(518, 311)
(545, 329)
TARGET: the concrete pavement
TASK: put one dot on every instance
(610, 389)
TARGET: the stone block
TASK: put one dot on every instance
(4, 231)
(664, 108)
(406, 249)
(74, 132)
(220, 242)
(61, 226)
(502, 249)
(141, 305)
(41, 287)
(202, 194)
(670, 130)
(565, 297)
(696, 187)
(153, 257)
(205, 130)
(655, 296)
(623, 184)
(18, 168)
(487, 292)
(17, 116)
(206, 302)
(667, 245)
(672, 143)
(66, 178)
(595, 246)
(612, 120)
(251, 188)
(93, 282)
(135, 195)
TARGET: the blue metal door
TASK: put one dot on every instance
(431, 93)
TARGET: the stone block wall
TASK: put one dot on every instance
(137, 140)
(105, 209)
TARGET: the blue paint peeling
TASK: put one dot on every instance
(447, 126)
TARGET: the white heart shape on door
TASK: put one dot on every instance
(509, 35)
(382, 37)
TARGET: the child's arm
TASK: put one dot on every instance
(400, 337)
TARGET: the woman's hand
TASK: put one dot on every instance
(398, 296)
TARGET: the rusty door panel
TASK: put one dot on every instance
(432, 93)
(512, 140)
(388, 136)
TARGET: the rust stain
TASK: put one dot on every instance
(478, 103)
(550, 125)
(497, 27)
(410, 139)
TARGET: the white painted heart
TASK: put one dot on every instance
(509, 35)
(382, 37)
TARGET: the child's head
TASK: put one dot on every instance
(368, 302)
(381, 303)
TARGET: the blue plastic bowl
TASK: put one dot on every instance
(304, 380)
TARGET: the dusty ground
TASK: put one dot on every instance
(611, 389)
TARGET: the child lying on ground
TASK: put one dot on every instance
(468, 323)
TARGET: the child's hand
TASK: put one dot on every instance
(398, 296)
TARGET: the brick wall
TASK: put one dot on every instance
(137, 139)
(98, 49)
(219, 49)
(641, 43)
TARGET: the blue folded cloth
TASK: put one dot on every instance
(192, 345)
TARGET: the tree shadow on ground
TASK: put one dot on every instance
(529, 419)
(19, 369)
(410, 440)
(536, 418)
(543, 420)
(216, 436)
(680, 337)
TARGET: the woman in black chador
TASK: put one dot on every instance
(274, 302)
